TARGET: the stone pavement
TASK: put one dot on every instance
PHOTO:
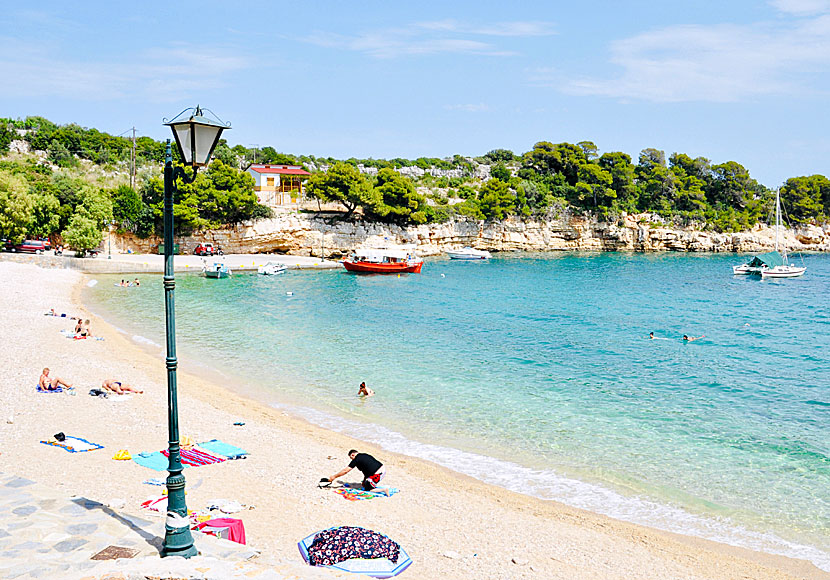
(44, 535)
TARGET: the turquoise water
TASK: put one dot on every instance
(535, 372)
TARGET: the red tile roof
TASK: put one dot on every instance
(281, 169)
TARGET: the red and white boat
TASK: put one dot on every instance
(384, 260)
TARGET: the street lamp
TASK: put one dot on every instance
(196, 137)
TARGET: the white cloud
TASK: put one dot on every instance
(802, 7)
(518, 28)
(469, 107)
(714, 63)
(428, 38)
(158, 75)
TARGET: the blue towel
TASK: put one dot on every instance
(217, 447)
(153, 460)
(59, 389)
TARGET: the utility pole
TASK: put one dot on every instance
(132, 163)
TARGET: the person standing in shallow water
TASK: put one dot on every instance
(364, 391)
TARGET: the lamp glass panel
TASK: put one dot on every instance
(182, 131)
(206, 137)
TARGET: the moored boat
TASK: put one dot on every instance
(272, 268)
(397, 260)
(772, 264)
(468, 253)
(216, 270)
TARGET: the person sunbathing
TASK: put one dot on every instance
(82, 328)
(48, 383)
(118, 387)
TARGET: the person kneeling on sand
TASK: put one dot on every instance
(48, 383)
(118, 387)
(372, 469)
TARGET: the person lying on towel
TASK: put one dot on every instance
(118, 387)
(372, 469)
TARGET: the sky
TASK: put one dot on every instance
(730, 81)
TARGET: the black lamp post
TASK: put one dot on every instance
(196, 137)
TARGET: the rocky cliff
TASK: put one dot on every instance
(311, 234)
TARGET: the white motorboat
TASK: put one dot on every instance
(468, 254)
(216, 270)
(272, 268)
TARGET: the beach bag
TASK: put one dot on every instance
(98, 393)
(122, 455)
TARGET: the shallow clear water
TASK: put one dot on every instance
(534, 371)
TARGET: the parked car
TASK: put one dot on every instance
(32, 246)
(207, 249)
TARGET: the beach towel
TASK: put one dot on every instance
(74, 444)
(196, 457)
(360, 494)
(216, 447)
(155, 481)
(58, 389)
(229, 528)
(153, 460)
(156, 504)
(345, 543)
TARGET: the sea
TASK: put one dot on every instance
(535, 372)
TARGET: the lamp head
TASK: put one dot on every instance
(196, 135)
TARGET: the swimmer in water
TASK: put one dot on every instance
(693, 338)
(364, 391)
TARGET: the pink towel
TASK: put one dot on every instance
(236, 529)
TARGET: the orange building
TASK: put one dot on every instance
(278, 185)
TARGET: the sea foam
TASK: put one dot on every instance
(547, 484)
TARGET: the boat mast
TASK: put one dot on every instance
(778, 224)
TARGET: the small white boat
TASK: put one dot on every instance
(772, 264)
(468, 254)
(272, 268)
(216, 270)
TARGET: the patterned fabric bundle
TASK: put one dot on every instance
(345, 543)
(196, 457)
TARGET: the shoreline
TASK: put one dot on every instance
(548, 539)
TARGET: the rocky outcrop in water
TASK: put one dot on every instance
(311, 234)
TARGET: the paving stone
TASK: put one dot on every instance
(25, 510)
(18, 525)
(72, 509)
(27, 546)
(81, 529)
(19, 482)
(4, 534)
(69, 545)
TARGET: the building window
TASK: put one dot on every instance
(270, 181)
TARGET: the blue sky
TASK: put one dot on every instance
(738, 80)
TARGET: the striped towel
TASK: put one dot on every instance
(196, 457)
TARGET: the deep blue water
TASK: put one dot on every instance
(534, 371)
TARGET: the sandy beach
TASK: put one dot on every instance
(452, 526)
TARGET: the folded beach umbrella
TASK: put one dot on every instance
(357, 550)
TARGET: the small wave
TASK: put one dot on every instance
(546, 484)
(144, 340)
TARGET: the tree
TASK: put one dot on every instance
(732, 186)
(342, 183)
(60, 155)
(805, 197)
(82, 234)
(495, 200)
(596, 182)
(499, 171)
(619, 166)
(656, 183)
(499, 156)
(225, 154)
(16, 207)
(590, 150)
(398, 201)
(127, 207)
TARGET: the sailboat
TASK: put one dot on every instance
(784, 269)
